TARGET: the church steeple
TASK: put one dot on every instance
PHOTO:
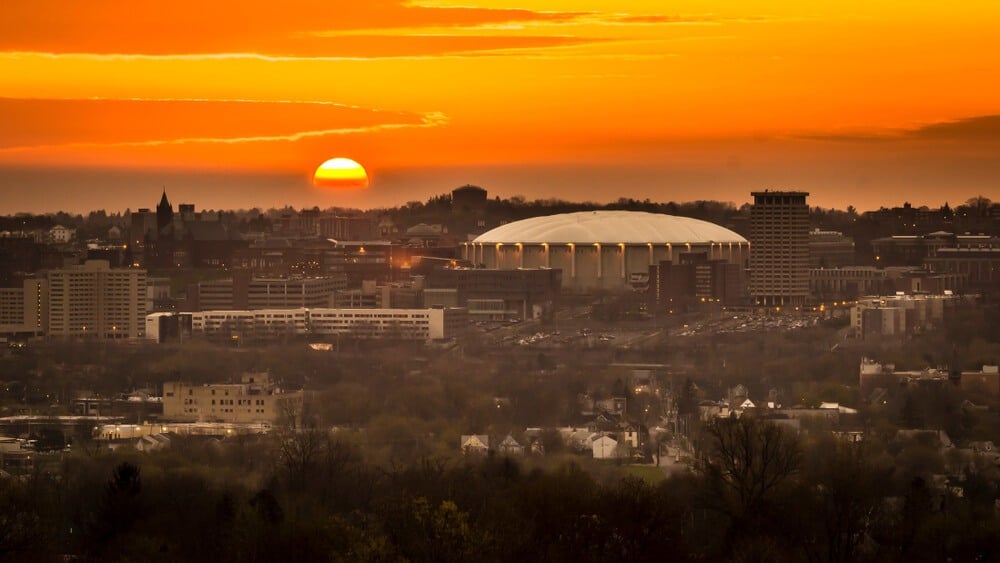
(164, 212)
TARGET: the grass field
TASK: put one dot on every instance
(648, 473)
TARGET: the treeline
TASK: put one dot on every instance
(759, 494)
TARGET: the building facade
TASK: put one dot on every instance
(263, 324)
(979, 266)
(97, 301)
(830, 249)
(491, 294)
(779, 248)
(602, 250)
(872, 374)
(694, 278)
(407, 324)
(243, 291)
(898, 315)
(254, 399)
(851, 282)
(24, 309)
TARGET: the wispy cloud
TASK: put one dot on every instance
(980, 128)
(289, 28)
(977, 129)
(303, 29)
(38, 124)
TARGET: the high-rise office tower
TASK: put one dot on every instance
(779, 248)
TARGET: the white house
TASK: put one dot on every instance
(605, 447)
(631, 436)
(61, 234)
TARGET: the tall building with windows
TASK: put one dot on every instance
(97, 301)
(24, 309)
(779, 248)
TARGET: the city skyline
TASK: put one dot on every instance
(226, 107)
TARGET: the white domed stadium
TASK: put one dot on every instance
(603, 249)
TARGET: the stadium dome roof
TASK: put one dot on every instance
(611, 227)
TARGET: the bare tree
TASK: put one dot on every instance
(301, 453)
(748, 463)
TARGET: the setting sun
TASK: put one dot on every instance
(340, 173)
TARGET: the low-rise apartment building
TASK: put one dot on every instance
(262, 324)
(254, 399)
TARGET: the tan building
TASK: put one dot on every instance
(24, 310)
(61, 235)
(779, 248)
(254, 399)
(830, 249)
(898, 315)
(245, 292)
(97, 301)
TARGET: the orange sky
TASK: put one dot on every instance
(233, 104)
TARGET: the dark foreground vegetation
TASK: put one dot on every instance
(390, 485)
(759, 494)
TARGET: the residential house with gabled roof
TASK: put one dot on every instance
(475, 444)
(631, 435)
(605, 447)
(603, 423)
(510, 447)
(152, 442)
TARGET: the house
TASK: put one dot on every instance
(631, 436)
(738, 392)
(475, 444)
(61, 234)
(707, 410)
(614, 405)
(536, 447)
(533, 439)
(602, 423)
(510, 447)
(605, 447)
(152, 442)
(16, 456)
(577, 439)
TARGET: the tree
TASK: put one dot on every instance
(422, 531)
(979, 204)
(120, 511)
(842, 495)
(24, 535)
(748, 462)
